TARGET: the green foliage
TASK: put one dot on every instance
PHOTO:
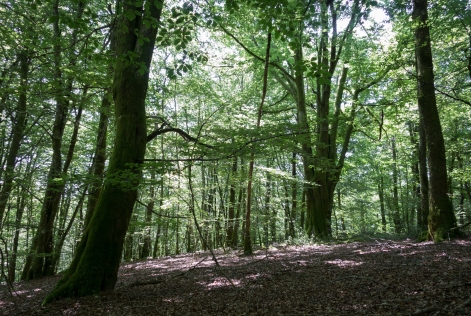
(206, 85)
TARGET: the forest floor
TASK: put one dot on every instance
(378, 277)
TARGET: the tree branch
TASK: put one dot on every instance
(182, 133)
(255, 55)
(158, 214)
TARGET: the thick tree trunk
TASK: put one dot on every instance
(441, 216)
(99, 159)
(95, 265)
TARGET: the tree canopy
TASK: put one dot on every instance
(142, 129)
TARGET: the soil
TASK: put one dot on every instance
(378, 277)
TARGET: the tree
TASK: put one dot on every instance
(441, 218)
(95, 265)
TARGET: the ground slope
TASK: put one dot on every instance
(380, 277)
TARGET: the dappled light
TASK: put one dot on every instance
(262, 157)
(344, 263)
(361, 278)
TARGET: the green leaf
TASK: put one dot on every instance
(53, 19)
(129, 14)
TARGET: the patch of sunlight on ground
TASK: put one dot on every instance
(221, 282)
(463, 242)
(173, 300)
(344, 263)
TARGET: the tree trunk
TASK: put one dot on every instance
(294, 197)
(95, 265)
(423, 176)
(129, 240)
(240, 200)
(267, 208)
(40, 260)
(99, 158)
(413, 130)
(247, 240)
(147, 244)
(441, 217)
(21, 204)
(232, 202)
(395, 202)
(18, 131)
(381, 202)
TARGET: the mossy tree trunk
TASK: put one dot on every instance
(96, 262)
(99, 159)
(441, 217)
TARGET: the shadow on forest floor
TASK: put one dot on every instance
(380, 277)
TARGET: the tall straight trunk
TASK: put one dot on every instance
(286, 204)
(381, 202)
(247, 239)
(422, 222)
(395, 202)
(40, 261)
(294, 197)
(18, 131)
(129, 240)
(413, 130)
(155, 252)
(306, 147)
(232, 204)
(441, 217)
(95, 265)
(21, 204)
(267, 208)
(303, 211)
(159, 224)
(147, 244)
(235, 235)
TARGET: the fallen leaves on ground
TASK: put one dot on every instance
(380, 277)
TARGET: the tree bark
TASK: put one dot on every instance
(147, 244)
(441, 218)
(40, 260)
(96, 262)
(395, 202)
(99, 158)
(413, 130)
(18, 131)
(294, 197)
(232, 203)
(381, 202)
